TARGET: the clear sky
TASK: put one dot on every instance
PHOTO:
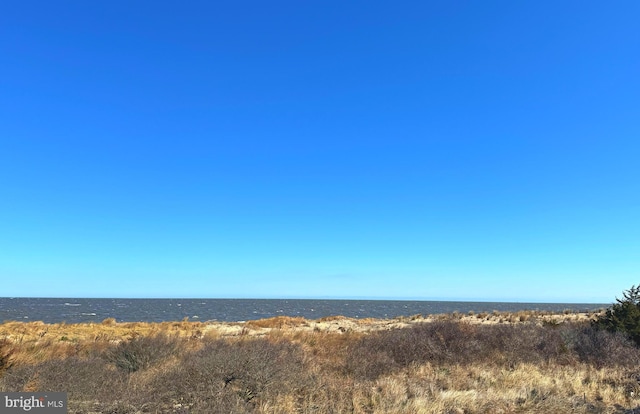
(445, 150)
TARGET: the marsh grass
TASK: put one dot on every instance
(278, 322)
(444, 364)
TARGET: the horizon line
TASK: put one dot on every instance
(336, 298)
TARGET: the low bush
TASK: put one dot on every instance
(6, 350)
(438, 342)
(605, 349)
(83, 379)
(229, 375)
(455, 343)
(140, 352)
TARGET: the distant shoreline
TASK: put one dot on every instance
(76, 310)
(261, 327)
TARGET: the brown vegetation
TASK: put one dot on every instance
(277, 322)
(532, 362)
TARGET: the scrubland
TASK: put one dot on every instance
(525, 362)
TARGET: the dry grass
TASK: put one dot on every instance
(526, 388)
(531, 362)
(277, 322)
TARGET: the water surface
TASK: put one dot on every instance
(73, 310)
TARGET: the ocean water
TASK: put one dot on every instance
(74, 310)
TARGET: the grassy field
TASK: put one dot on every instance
(525, 362)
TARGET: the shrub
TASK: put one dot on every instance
(234, 376)
(449, 342)
(83, 379)
(6, 350)
(623, 316)
(455, 343)
(603, 348)
(140, 352)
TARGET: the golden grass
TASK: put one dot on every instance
(39, 341)
(425, 387)
(109, 331)
(483, 389)
(35, 342)
(277, 322)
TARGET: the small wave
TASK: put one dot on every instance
(88, 314)
(71, 304)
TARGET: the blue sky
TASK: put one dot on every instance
(338, 149)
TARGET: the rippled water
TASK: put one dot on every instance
(52, 310)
